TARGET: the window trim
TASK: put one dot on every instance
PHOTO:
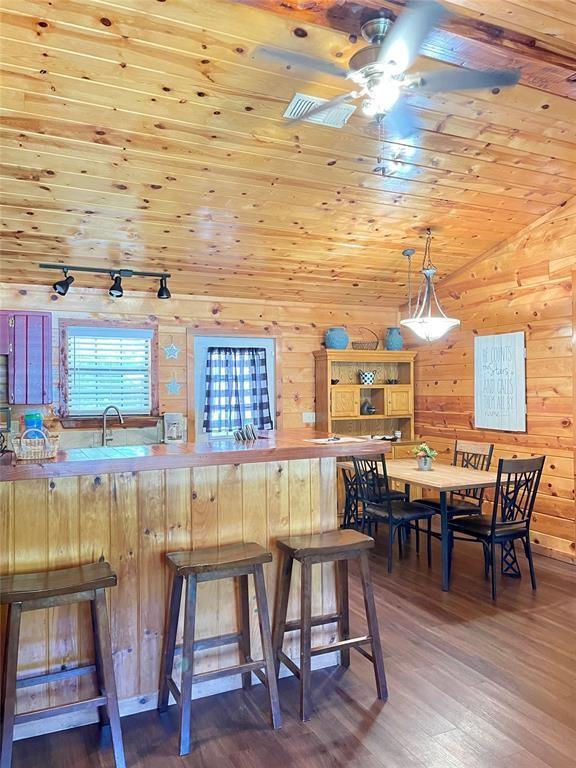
(277, 412)
(130, 419)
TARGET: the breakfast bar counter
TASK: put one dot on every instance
(132, 505)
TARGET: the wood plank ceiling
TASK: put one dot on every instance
(148, 134)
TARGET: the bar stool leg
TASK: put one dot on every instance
(187, 665)
(103, 632)
(9, 683)
(372, 619)
(167, 663)
(343, 609)
(102, 711)
(267, 652)
(281, 606)
(245, 629)
(305, 639)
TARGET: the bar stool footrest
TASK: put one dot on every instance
(61, 709)
(353, 642)
(212, 642)
(317, 621)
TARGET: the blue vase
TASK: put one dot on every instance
(394, 340)
(336, 338)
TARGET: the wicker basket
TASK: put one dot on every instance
(35, 448)
(366, 344)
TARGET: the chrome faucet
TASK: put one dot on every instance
(105, 418)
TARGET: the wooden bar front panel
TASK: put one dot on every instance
(131, 519)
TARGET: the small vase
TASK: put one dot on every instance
(424, 463)
(336, 338)
(394, 340)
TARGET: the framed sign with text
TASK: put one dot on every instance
(500, 382)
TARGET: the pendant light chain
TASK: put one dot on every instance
(427, 260)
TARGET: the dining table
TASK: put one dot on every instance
(443, 478)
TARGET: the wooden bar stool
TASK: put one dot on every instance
(339, 546)
(230, 561)
(47, 589)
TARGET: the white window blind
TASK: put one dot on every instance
(109, 366)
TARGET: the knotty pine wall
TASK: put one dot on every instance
(298, 327)
(527, 285)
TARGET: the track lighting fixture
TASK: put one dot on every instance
(116, 290)
(163, 292)
(61, 286)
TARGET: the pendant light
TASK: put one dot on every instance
(428, 321)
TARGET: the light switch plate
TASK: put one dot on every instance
(309, 417)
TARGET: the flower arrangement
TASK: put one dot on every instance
(423, 451)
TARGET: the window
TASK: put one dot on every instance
(107, 366)
(234, 384)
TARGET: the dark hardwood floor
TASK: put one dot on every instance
(472, 685)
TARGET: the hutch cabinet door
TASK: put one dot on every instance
(345, 401)
(30, 358)
(399, 400)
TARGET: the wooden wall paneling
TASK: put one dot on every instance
(255, 528)
(300, 522)
(124, 558)
(328, 522)
(152, 530)
(7, 554)
(63, 621)
(94, 501)
(231, 512)
(178, 500)
(278, 506)
(31, 545)
(205, 503)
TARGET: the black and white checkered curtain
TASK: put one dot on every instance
(236, 389)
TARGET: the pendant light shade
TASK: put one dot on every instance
(428, 321)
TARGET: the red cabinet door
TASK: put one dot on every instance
(30, 358)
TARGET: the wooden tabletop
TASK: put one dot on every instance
(277, 446)
(442, 477)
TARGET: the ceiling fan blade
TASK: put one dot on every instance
(301, 60)
(467, 79)
(324, 107)
(400, 121)
(401, 45)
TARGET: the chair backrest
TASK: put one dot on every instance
(473, 456)
(516, 489)
(371, 479)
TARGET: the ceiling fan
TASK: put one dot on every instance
(380, 69)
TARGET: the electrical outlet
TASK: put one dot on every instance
(309, 417)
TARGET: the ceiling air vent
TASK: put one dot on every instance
(336, 117)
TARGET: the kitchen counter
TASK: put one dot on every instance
(279, 446)
(132, 505)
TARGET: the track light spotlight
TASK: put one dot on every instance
(116, 290)
(61, 286)
(163, 292)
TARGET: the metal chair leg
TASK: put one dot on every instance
(429, 543)
(528, 551)
(493, 567)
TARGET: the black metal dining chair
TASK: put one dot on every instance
(467, 501)
(351, 518)
(380, 504)
(515, 494)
